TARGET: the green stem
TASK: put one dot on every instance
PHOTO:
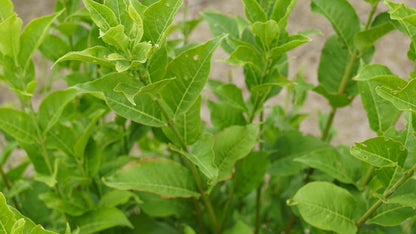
(257, 220)
(197, 177)
(227, 202)
(328, 125)
(367, 176)
(386, 195)
(8, 185)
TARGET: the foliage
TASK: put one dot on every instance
(123, 148)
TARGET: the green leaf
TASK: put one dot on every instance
(254, 12)
(250, 172)
(224, 115)
(391, 215)
(54, 47)
(115, 198)
(335, 100)
(10, 31)
(381, 113)
(292, 42)
(32, 37)
(191, 70)
(281, 12)
(115, 36)
(403, 98)
(137, 24)
(231, 93)
(101, 219)
(157, 19)
(332, 66)
(239, 228)
(96, 54)
(18, 124)
(248, 55)
(155, 175)
(342, 16)
(187, 124)
(145, 111)
(380, 152)
(366, 38)
(219, 24)
(72, 207)
(157, 64)
(405, 195)
(102, 15)
(266, 31)
(52, 106)
(326, 206)
(232, 144)
(6, 9)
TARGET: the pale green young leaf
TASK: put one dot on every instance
(191, 69)
(391, 215)
(292, 42)
(18, 124)
(281, 12)
(115, 36)
(96, 54)
(115, 198)
(141, 52)
(101, 14)
(225, 114)
(332, 66)
(266, 31)
(137, 24)
(9, 41)
(326, 206)
(155, 175)
(6, 9)
(52, 106)
(401, 98)
(101, 219)
(253, 11)
(157, 18)
(32, 37)
(342, 16)
(188, 125)
(232, 144)
(380, 152)
(381, 113)
(7, 217)
(202, 156)
(248, 55)
(366, 38)
(145, 110)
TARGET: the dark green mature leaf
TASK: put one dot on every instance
(10, 31)
(380, 152)
(342, 16)
(366, 38)
(391, 215)
(101, 14)
(157, 19)
(381, 113)
(157, 206)
(52, 106)
(114, 198)
(155, 175)
(18, 124)
(96, 54)
(332, 66)
(402, 98)
(254, 12)
(32, 37)
(102, 219)
(326, 206)
(6, 9)
(144, 111)
(191, 70)
(232, 144)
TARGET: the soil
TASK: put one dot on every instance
(350, 121)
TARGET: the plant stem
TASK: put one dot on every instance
(328, 125)
(197, 177)
(386, 195)
(8, 185)
(257, 220)
(227, 202)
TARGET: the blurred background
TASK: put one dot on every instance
(350, 122)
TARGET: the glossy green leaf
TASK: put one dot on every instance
(115, 36)
(202, 155)
(326, 206)
(380, 152)
(101, 14)
(366, 38)
(157, 19)
(32, 37)
(292, 42)
(391, 215)
(52, 106)
(96, 54)
(144, 111)
(402, 98)
(6, 9)
(191, 70)
(18, 124)
(155, 175)
(10, 41)
(342, 16)
(254, 12)
(102, 219)
(232, 144)
(381, 113)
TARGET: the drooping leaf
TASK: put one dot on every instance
(191, 70)
(254, 12)
(155, 175)
(102, 219)
(101, 14)
(18, 124)
(96, 54)
(381, 113)
(232, 144)
(326, 206)
(380, 152)
(157, 19)
(342, 16)
(402, 98)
